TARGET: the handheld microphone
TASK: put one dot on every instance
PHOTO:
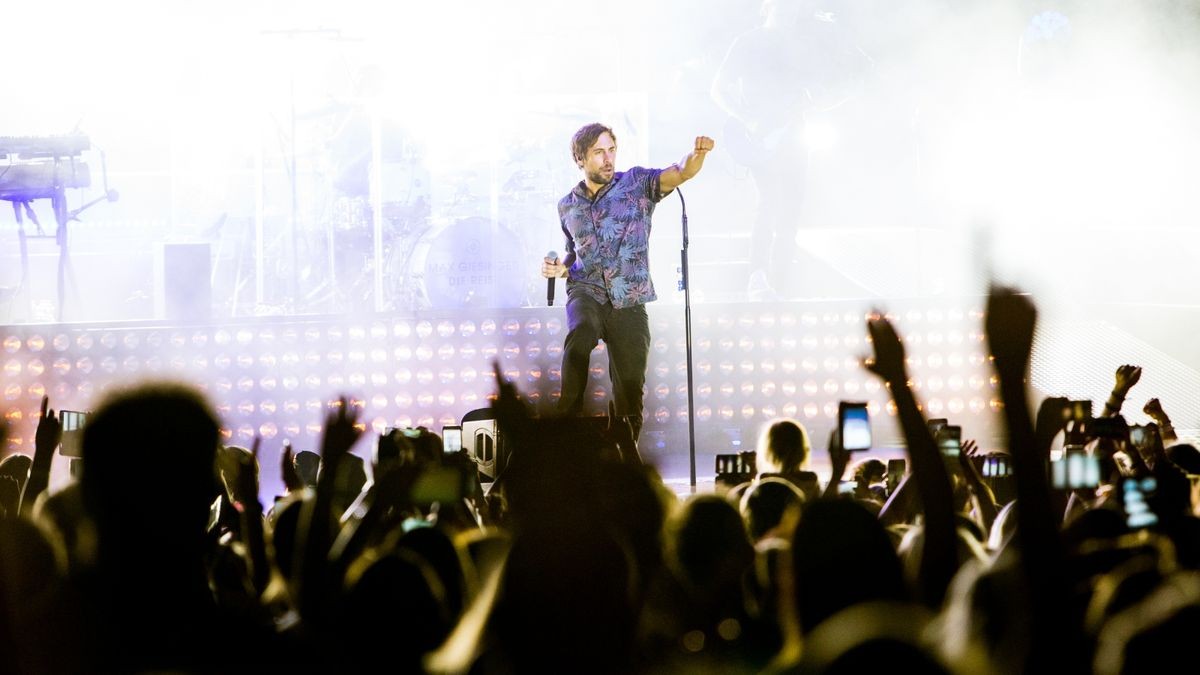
(550, 257)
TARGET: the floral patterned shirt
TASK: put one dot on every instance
(609, 238)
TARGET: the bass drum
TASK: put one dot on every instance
(468, 263)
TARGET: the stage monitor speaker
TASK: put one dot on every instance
(185, 282)
(483, 443)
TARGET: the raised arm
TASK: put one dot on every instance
(1155, 410)
(317, 520)
(46, 439)
(677, 174)
(1009, 324)
(938, 558)
(1125, 378)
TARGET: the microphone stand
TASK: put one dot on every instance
(686, 287)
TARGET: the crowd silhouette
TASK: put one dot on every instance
(162, 556)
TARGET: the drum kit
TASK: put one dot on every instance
(445, 253)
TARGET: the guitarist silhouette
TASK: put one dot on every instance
(776, 82)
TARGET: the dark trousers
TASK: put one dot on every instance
(626, 334)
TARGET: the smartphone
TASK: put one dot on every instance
(1138, 435)
(895, 473)
(936, 424)
(949, 440)
(854, 422)
(441, 484)
(73, 422)
(452, 439)
(1075, 470)
(1134, 494)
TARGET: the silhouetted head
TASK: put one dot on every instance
(841, 556)
(307, 465)
(150, 454)
(869, 470)
(783, 447)
(765, 502)
(1186, 457)
(16, 467)
(707, 544)
(566, 602)
(349, 482)
(1154, 635)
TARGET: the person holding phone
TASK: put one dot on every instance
(606, 222)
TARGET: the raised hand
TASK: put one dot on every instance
(1154, 409)
(1010, 321)
(341, 433)
(509, 408)
(49, 429)
(45, 440)
(287, 468)
(1126, 377)
(703, 145)
(245, 482)
(888, 361)
(968, 455)
(839, 459)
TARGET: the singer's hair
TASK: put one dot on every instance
(586, 137)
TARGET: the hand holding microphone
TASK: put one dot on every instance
(551, 269)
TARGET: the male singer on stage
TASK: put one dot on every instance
(606, 221)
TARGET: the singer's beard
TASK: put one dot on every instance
(601, 177)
